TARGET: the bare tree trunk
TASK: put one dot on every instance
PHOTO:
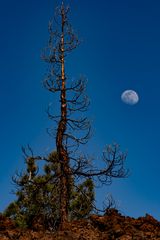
(62, 153)
(62, 41)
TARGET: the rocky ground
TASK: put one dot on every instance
(110, 226)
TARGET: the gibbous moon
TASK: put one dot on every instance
(130, 97)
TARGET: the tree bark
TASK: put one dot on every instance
(62, 152)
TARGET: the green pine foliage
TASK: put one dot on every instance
(82, 198)
(38, 195)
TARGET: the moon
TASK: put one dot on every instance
(130, 97)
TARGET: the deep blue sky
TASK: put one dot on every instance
(120, 50)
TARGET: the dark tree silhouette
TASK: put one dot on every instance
(72, 127)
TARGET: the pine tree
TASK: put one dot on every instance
(70, 179)
(72, 127)
(38, 196)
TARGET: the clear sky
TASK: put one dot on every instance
(120, 50)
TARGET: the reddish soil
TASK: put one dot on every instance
(110, 226)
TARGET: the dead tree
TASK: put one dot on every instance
(72, 128)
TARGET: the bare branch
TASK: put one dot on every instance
(114, 168)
